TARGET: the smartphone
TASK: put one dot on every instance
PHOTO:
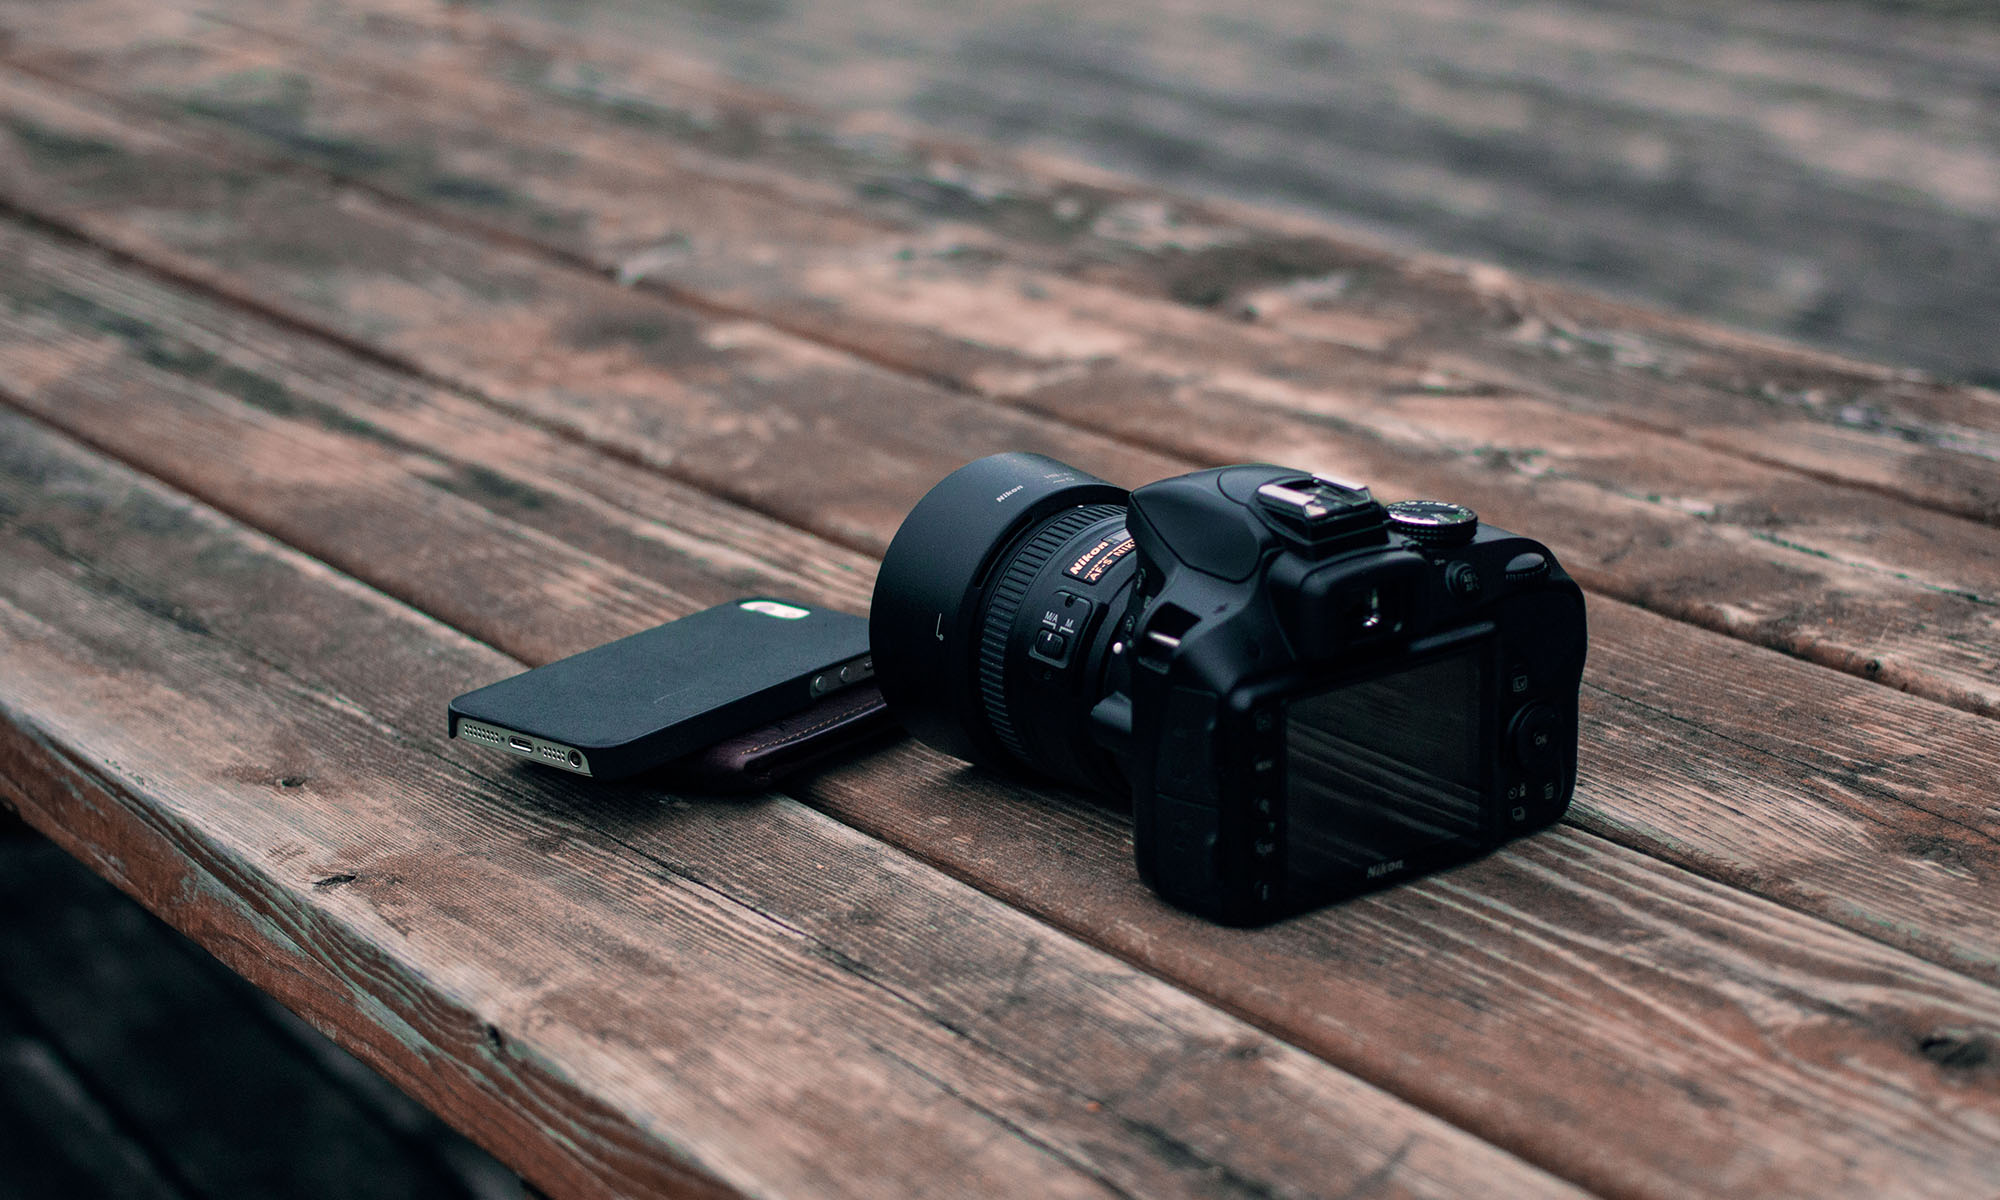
(646, 700)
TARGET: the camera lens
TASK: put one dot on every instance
(993, 610)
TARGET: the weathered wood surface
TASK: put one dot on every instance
(1829, 170)
(1775, 554)
(623, 995)
(1764, 961)
(90, 337)
(522, 157)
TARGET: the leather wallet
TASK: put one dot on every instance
(847, 719)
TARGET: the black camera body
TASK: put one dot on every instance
(1305, 693)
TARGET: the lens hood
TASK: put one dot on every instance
(923, 621)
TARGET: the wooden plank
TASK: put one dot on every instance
(1762, 553)
(663, 385)
(504, 510)
(1706, 751)
(618, 991)
(228, 1105)
(1828, 171)
(521, 158)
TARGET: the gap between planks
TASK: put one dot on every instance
(1837, 659)
(448, 382)
(1121, 865)
(908, 897)
(860, 347)
(477, 397)
(262, 27)
(498, 233)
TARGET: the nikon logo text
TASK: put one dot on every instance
(1383, 868)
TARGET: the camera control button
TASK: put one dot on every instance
(1534, 735)
(1464, 581)
(1433, 522)
(1052, 646)
(1527, 565)
(1518, 679)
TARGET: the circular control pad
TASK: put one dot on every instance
(1533, 735)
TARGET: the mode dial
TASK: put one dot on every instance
(1433, 522)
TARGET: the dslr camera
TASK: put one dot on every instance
(1306, 693)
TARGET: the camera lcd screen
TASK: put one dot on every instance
(1383, 768)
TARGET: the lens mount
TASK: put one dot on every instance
(928, 623)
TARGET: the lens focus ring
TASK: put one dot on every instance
(1005, 605)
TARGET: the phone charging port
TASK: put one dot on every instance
(522, 744)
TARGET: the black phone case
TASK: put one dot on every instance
(643, 701)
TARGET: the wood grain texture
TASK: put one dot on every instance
(738, 407)
(619, 992)
(1825, 170)
(1704, 751)
(569, 143)
(1636, 1028)
(503, 512)
(1762, 553)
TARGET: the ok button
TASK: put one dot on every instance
(1534, 735)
